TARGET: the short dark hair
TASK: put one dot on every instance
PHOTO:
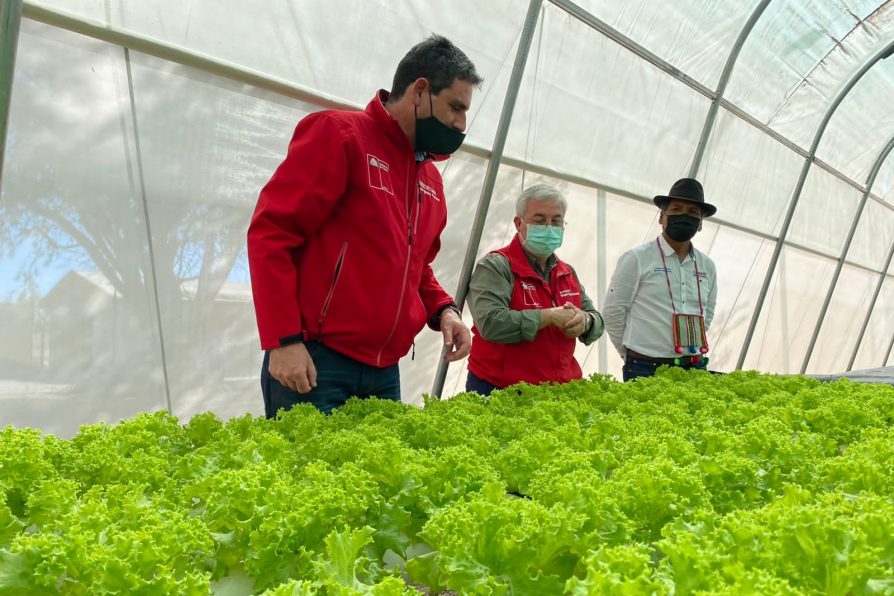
(437, 60)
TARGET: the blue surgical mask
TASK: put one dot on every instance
(543, 240)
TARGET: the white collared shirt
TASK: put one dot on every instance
(637, 310)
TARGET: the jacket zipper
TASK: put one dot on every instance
(403, 283)
(418, 209)
(338, 266)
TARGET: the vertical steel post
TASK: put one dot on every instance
(870, 180)
(10, 19)
(721, 86)
(493, 166)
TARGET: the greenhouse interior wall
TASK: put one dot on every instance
(140, 134)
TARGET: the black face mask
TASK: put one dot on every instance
(682, 227)
(433, 136)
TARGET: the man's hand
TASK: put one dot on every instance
(457, 338)
(293, 367)
(557, 316)
(577, 324)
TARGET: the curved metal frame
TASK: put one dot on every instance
(881, 280)
(721, 86)
(610, 32)
(875, 295)
(870, 180)
(888, 353)
(10, 20)
(235, 72)
(796, 195)
(141, 183)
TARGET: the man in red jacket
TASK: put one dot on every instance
(342, 239)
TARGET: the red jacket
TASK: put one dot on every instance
(342, 239)
(550, 355)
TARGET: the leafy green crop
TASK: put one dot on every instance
(686, 483)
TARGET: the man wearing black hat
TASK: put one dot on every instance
(662, 295)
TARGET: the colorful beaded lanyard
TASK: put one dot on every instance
(689, 330)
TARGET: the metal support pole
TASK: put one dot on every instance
(601, 287)
(875, 295)
(149, 243)
(796, 195)
(493, 166)
(10, 19)
(870, 180)
(721, 86)
(610, 32)
(888, 353)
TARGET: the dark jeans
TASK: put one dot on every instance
(479, 385)
(637, 367)
(338, 379)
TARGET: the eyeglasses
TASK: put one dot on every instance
(557, 222)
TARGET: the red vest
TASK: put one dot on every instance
(550, 355)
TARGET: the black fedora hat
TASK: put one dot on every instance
(687, 189)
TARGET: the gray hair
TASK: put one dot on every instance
(540, 192)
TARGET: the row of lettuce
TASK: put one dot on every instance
(688, 483)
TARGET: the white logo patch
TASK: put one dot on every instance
(379, 177)
(530, 294)
(428, 190)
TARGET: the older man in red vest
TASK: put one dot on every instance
(528, 305)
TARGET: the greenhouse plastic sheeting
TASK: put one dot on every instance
(140, 134)
(850, 302)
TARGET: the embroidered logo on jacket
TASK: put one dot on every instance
(529, 292)
(379, 176)
(428, 191)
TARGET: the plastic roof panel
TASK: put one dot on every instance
(824, 214)
(74, 234)
(789, 315)
(873, 237)
(884, 182)
(748, 175)
(863, 124)
(695, 36)
(879, 331)
(847, 310)
(589, 106)
(800, 54)
(206, 133)
(746, 258)
(345, 49)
